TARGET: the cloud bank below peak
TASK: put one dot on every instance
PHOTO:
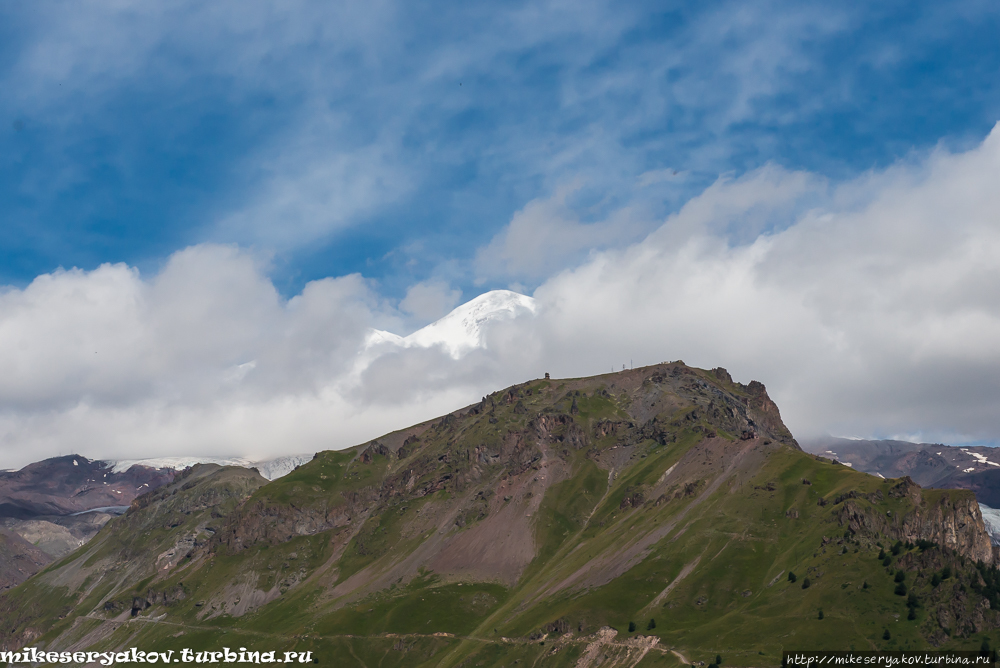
(868, 308)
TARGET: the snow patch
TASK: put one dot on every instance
(279, 467)
(991, 518)
(272, 469)
(176, 463)
(111, 510)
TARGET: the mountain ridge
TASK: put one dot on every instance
(535, 525)
(464, 328)
(976, 468)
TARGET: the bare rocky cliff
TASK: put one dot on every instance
(952, 519)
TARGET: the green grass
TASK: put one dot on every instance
(745, 537)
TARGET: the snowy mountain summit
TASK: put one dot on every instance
(272, 469)
(465, 328)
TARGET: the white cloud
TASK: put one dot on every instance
(547, 235)
(429, 300)
(870, 308)
(311, 185)
(655, 176)
(874, 310)
(204, 357)
(346, 112)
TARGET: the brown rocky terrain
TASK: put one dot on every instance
(19, 559)
(71, 484)
(55, 506)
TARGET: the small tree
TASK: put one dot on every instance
(881, 555)
(887, 561)
(912, 614)
(935, 580)
(718, 659)
(900, 589)
(886, 635)
(791, 577)
(631, 627)
(900, 575)
(806, 583)
(897, 548)
(651, 625)
(864, 585)
(820, 613)
(984, 649)
(946, 572)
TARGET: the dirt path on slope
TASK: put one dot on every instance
(686, 571)
(606, 567)
(627, 652)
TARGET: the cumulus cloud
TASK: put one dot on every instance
(874, 311)
(429, 300)
(868, 308)
(312, 185)
(547, 234)
(203, 357)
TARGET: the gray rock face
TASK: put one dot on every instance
(953, 520)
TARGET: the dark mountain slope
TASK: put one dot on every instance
(976, 468)
(64, 485)
(19, 559)
(523, 528)
(41, 504)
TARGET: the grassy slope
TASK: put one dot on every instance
(736, 601)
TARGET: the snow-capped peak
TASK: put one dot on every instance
(465, 327)
(272, 469)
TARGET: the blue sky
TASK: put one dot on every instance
(207, 208)
(398, 139)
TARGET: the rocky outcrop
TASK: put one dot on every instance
(141, 602)
(273, 524)
(954, 521)
(951, 520)
(767, 414)
(559, 429)
(374, 449)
